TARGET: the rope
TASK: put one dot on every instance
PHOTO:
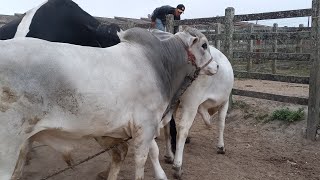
(84, 160)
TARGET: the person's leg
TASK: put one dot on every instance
(159, 25)
(173, 134)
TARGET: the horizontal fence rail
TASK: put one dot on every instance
(272, 36)
(262, 36)
(271, 77)
(219, 19)
(282, 29)
(273, 97)
(273, 15)
(272, 56)
(247, 17)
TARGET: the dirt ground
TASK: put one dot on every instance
(255, 149)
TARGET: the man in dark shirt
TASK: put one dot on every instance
(158, 17)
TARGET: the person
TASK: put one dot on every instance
(158, 17)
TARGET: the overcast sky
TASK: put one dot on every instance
(194, 8)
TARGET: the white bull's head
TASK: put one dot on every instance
(199, 54)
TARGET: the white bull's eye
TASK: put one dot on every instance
(204, 46)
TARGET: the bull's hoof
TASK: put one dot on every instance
(168, 159)
(177, 172)
(221, 150)
(102, 175)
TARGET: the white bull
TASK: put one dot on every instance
(57, 93)
(206, 94)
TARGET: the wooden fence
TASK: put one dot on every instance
(312, 34)
(225, 34)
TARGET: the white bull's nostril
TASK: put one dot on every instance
(217, 66)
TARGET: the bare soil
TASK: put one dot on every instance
(256, 149)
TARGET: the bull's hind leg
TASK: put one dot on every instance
(169, 156)
(154, 156)
(118, 155)
(221, 120)
(188, 115)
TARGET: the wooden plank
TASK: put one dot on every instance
(219, 19)
(272, 36)
(228, 41)
(249, 49)
(169, 24)
(272, 56)
(214, 37)
(218, 31)
(275, 49)
(248, 17)
(274, 15)
(314, 88)
(272, 77)
(272, 97)
(243, 47)
(262, 36)
(283, 29)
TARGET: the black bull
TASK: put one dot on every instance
(63, 21)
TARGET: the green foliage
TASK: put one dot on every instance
(240, 105)
(287, 115)
(262, 117)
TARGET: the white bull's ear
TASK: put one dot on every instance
(192, 40)
(187, 38)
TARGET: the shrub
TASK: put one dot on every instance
(287, 115)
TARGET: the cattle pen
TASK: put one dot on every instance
(297, 34)
(224, 35)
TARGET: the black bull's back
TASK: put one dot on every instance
(64, 21)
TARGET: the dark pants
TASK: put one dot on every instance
(173, 134)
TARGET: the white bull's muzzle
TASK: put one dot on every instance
(209, 68)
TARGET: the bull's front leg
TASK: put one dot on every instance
(184, 126)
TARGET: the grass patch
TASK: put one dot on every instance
(287, 115)
(262, 117)
(240, 105)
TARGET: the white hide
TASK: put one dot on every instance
(206, 92)
(111, 112)
(108, 89)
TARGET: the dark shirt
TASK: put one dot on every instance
(161, 13)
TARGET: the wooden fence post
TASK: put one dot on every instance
(314, 82)
(130, 25)
(218, 31)
(299, 42)
(250, 49)
(170, 24)
(274, 49)
(228, 41)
